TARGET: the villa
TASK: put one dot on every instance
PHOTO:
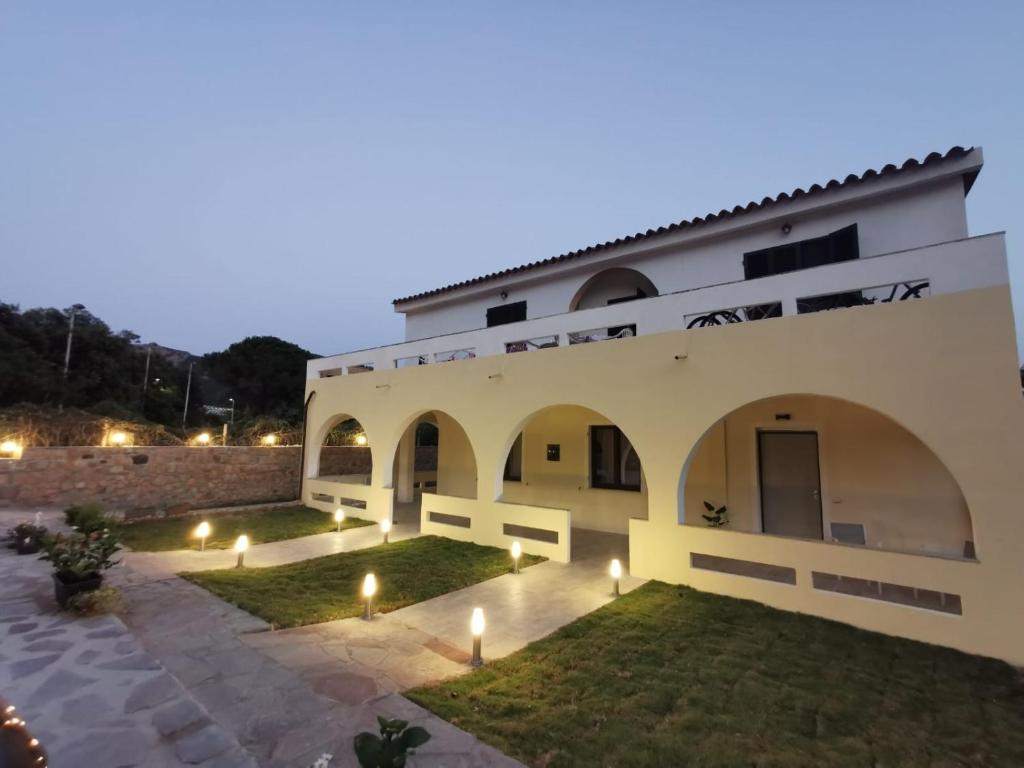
(835, 366)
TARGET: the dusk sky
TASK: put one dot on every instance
(199, 172)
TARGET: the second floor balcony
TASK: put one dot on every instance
(960, 265)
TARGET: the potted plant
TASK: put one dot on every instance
(26, 538)
(79, 560)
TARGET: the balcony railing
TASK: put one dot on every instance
(960, 265)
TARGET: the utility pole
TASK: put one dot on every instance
(67, 355)
(188, 390)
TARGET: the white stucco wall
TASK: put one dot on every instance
(923, 215)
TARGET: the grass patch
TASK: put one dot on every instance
(328, 588)
(261, 526)
(667, 676)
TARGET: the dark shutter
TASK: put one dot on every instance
(841, 245)
(506, 313)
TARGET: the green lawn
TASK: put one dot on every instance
(668, 676)
(328, 588)
(260, 526)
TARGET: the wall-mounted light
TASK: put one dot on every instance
(118, 438)
(269, 440)
(787, 228)
(203, 438)
(504, 295)
(10, 449)
(361, 440)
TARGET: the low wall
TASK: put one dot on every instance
(151, 480)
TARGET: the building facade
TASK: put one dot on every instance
(836, 367)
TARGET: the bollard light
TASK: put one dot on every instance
(517, 552)
(369, 590)
(339, 518)
(476, 626)
(616, 574)
(241, 545)
(202, 531)
(385, 528)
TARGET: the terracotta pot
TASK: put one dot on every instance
(64, 591)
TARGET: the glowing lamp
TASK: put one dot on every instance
(118, 438)
(10, 449)
(616, 573)
(203, 438)
(476, 626)
(202, 532)
(517, 552)
(241, 544)
(360, 439)
(269, 440)
(339, 518)
(369, 590)
(385, 528)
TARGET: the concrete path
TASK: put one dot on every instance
(88, 690)
(154, 566)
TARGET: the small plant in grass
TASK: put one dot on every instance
(719, 516)
(87, 518)
(395, 743)
(96, 603)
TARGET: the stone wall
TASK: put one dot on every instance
(152, 480)
(356, 460)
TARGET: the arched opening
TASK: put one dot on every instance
(574, 458)
(821, 468)
(345, 454)
(434, 455)
(612, 286)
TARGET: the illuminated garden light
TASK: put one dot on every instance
(616, 573)
(10, 449)
(269, 440)
(385, 528)
(369, 590)
(339, 518)
(476, 626)
(241, 545)
(118, 438)
(203, 438)
(517, 552)
(360, 439)
(202, 532)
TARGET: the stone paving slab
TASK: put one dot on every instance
(89, 692)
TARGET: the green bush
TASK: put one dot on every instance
(80, 556)
(87, 518)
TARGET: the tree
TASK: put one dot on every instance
(264, 374)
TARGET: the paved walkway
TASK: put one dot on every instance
(288, 696)
(89, 691)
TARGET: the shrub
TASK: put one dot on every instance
(27, 533)
(80, 556)
(96, 602)
(87, 518)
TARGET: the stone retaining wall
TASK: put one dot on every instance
(150, 480)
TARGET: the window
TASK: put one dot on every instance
(506, 313)
(841, 245)
(514, 462)
(613, 462)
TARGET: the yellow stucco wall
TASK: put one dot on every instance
(873, 472)
(944, 368)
